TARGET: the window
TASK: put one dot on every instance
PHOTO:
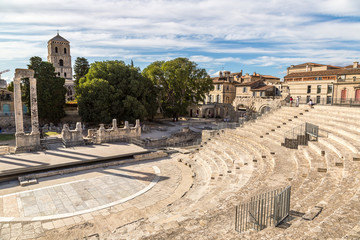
(227, 88)
(64, 50)
(354, 78)
(329, 89)
(316, 78)
(58, 73)
(209, 98)
(317, 99)
(318, 89)
(64, 74)
(309, 89)
(61, 62)
(217, 98)
(328, 100)
(254, 94)
(244, 90)
(261, 94)
(56, 50)
(307, 99)
(320, 78)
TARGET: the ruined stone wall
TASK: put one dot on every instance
(177, 138)
(116, 134)
(102, 135)
(72, 138)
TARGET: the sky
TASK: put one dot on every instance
(263, 36)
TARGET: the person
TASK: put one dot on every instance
(311, 104)
(297, 101)
(291, 101)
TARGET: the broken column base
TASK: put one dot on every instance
(27, 142)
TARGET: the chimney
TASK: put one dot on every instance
(220, 74)
(356, 65)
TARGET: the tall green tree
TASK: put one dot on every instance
(81, 68)
(112, 89)
(10, 86)
(180, 82)
(50, 91)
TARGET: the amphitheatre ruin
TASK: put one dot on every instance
(291, 173)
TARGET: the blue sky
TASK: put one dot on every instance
(264, 36)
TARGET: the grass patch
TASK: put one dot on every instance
(7, 137)
(51, 134)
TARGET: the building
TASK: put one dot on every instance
(229, 87)
(6, 102)
(324, 84)
(59, 56)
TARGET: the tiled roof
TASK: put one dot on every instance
(308, 63)
(332, 72)
(58, 38)
(249, 83)
(263, 88)
(269, 76)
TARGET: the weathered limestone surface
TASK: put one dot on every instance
(115, 134)
(102, 135)
(26, 142)
(72, 137)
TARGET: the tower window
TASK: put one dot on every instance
(61, 62)
(56, 50)
(64, 50)
(64, 74)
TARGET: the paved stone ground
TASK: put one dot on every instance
(65, 155)
(91, 203)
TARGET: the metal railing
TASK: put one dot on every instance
(349, 102)
(268, 209)
(300, 135)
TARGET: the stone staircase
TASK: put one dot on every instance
(239, 163)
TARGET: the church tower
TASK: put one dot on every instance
(59, 56)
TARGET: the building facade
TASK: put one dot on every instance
(59, 56)
(324, 84)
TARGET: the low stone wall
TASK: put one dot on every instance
(177, 138)
(7, 123)
(116, 134)
(75, 137)
(207, 134)
(72, 138)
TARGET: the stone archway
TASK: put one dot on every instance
(264, 108)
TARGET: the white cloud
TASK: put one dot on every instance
(211, 32)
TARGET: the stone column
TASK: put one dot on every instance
(18, 107)
(34, 107)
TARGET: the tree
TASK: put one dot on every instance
(180, 83)
(81, 68)
(10, 86)
(112, 89)
(50, 91)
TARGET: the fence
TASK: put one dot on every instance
(268, 209)
(317, 100)
(300, 135)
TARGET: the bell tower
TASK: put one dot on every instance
(59, 56)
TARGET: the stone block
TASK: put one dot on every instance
(312, 213)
